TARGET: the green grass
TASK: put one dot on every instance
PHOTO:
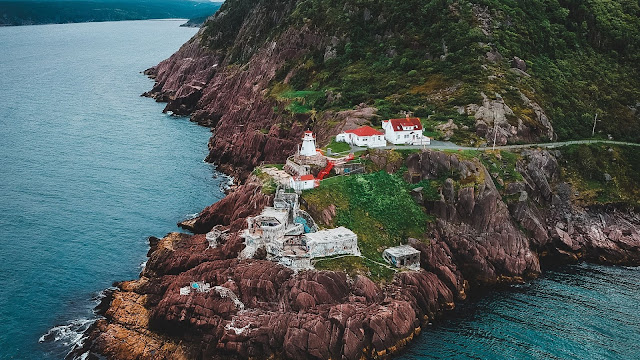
(354, 265)
(302, 95)
(377, 207)
(298, 108)
(338, 147)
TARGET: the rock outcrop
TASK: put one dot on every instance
(309, 315)
(260, 309)
(224, 87)
(496, 121)
(564, 231)
(473, 221)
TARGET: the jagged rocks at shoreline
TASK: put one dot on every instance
(476, 241)
(479, 239)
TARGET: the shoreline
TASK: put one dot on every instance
(479, 240)
(391, 350)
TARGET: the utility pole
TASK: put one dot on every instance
(495, 131)
(595, 120)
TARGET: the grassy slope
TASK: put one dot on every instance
(378, 208)
(583, 56)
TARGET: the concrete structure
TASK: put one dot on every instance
(217, 235)
(304, 182)
(281, 177)
(407, 131)
(349, 169)
(290, 236)
(365, 136)
(294, 168)
(196, 286)
(308, 147)
(402, 256)
(338, 241)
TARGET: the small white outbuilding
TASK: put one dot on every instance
(402, 256)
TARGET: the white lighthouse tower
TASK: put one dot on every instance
(308, 144)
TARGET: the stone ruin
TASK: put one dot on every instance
(291, 237)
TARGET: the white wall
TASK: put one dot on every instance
(302, 185)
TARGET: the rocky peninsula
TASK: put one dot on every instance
(495, 218)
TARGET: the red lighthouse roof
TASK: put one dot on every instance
(364, 131)
(399, 124)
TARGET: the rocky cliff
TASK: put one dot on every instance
(477, 240)
(261, 72)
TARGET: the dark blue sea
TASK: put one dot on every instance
(576, 312)
(89, 170)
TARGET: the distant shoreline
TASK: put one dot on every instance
(38, 12)
(98, 21)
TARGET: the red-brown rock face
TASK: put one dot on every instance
(272, 311)
(229, 95)
(474, 223)
(259, 309)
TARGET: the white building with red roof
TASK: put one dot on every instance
(364, 136)
(304, 182)
(406, 131)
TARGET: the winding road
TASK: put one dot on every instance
(446, 145)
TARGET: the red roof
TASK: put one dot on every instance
(398, 124)
(365, 131)
(306, 177)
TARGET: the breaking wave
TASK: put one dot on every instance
(69, 335)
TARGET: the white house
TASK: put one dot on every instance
(407, 131)
(365, 136)
(304, 182)
(308, 144)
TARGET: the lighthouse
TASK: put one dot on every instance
(308, 144)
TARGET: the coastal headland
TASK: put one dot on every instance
(478, 219)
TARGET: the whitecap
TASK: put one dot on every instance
(191, 216)
(71, 334)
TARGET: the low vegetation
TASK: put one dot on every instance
(377, 207)
(430, 57)
(501, 166)
(269, 185)
(354, 265)
(602, 174)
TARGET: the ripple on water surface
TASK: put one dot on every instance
(89, 171)
(578, 312)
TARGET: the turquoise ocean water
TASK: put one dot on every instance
(89, 170)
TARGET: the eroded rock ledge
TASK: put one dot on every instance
(477, 241)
